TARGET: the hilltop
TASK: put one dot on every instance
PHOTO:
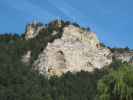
(63, 61)
(72, 49)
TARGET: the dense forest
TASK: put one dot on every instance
(19, 82)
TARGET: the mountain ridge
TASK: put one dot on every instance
(38, 40)
(30, 68)
(72, 60)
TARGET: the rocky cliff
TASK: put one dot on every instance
(124, 57)
(32, 30)
(77, 49)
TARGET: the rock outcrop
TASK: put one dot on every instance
(76, 50)
(32, 30)
(124, 57)
(26, 58)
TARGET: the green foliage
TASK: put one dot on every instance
(79, 86)
(102, 45)
(19, 82)
(75, 24)
(120, 50)
(118, 84)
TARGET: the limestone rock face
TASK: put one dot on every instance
(124, 57)
(32, 30)
(26, 58)
(76, 50)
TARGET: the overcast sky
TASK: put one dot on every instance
(111, 19)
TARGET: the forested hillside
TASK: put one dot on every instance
(19, 82)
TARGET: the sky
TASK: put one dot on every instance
(111, 19)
